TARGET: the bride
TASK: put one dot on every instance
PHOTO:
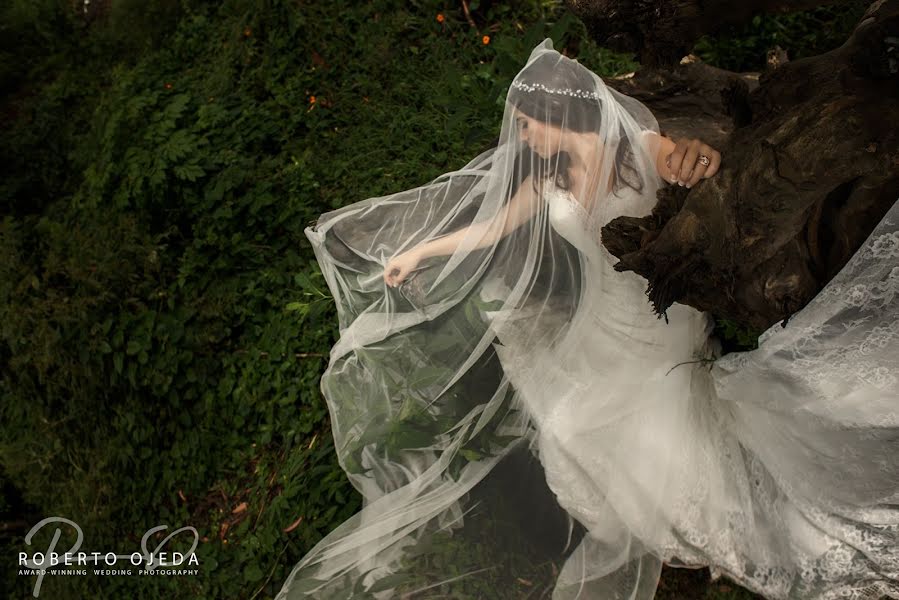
(484, 330)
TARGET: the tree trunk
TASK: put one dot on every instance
(810, 164)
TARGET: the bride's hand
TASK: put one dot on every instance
(685, 164)
(399, 267)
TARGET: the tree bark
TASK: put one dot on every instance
(810, 164)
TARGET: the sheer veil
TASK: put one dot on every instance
(421, 408)
(521, 425)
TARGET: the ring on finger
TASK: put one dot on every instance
(704, 160)
(697, 174)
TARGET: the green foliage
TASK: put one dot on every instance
(36, 36)
(163, 322)
(800, 33)
(736, 337)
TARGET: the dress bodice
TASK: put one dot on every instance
(611, 299)
(582, 228)
(571, 220)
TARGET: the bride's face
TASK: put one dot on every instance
(543, 138)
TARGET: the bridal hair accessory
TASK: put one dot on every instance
(704, 160)
(530, 87)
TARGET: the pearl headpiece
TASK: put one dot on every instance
(530, 87)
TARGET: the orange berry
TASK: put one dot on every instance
(485, 39)
(440, 18)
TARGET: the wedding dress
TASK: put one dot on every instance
(756, 467)
(778, 467)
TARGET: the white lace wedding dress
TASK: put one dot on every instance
(779, 467)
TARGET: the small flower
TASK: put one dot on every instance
(247, 32)
(440, 18)
(168, 86)
(485, 40)
(311, 99)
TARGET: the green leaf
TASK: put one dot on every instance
(471, 455)
(252, 573)
(189, 172)
(389, 582)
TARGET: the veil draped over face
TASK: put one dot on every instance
(521, 425)
(421, 410)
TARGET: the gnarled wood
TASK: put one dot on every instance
(811, 166)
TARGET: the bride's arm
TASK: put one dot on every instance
(513, 214)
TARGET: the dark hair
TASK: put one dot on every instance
(571, 112)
